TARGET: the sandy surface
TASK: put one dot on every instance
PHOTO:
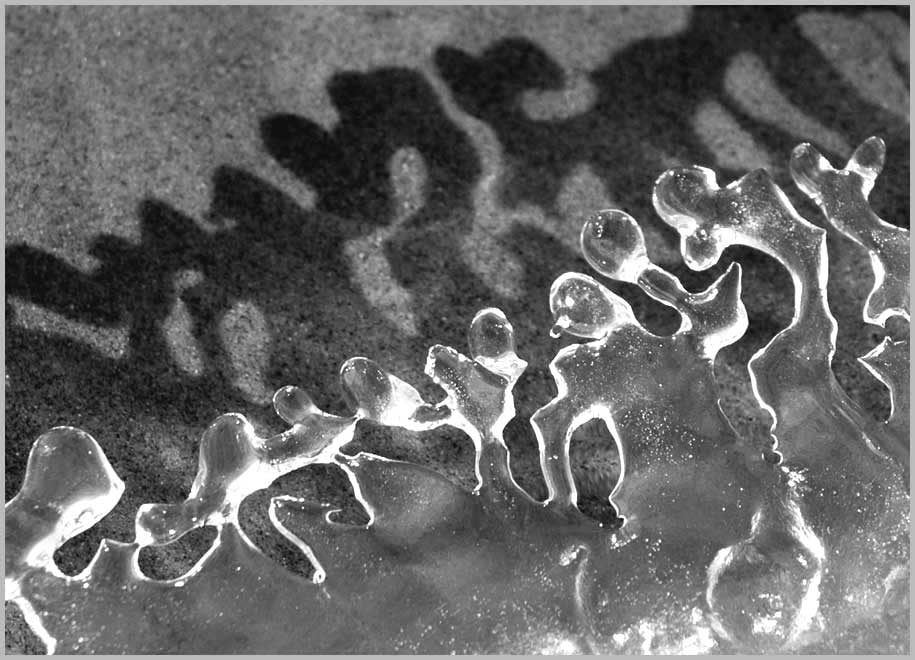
(206, 204)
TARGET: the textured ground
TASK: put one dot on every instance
(205, 204)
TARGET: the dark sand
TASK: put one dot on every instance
(206, 204)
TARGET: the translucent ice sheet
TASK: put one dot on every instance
(719, 546)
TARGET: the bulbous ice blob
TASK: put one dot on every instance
(764, 592)
(385, 399)
(612, 242)
(681, 197)
(492, 344)
(584, 307)
(229, 470)
(69, 486)
(293, 404)
(479, 396)
(235, 462)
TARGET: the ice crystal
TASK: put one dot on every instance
(720, 544)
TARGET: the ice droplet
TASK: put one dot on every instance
(69, 486)
(764, 592)
(612, 242)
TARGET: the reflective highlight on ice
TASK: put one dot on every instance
(720, 545)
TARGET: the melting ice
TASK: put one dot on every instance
(724, 546)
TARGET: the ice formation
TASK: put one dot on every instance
(721, 545)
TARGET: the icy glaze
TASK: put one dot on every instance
(720, 545)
